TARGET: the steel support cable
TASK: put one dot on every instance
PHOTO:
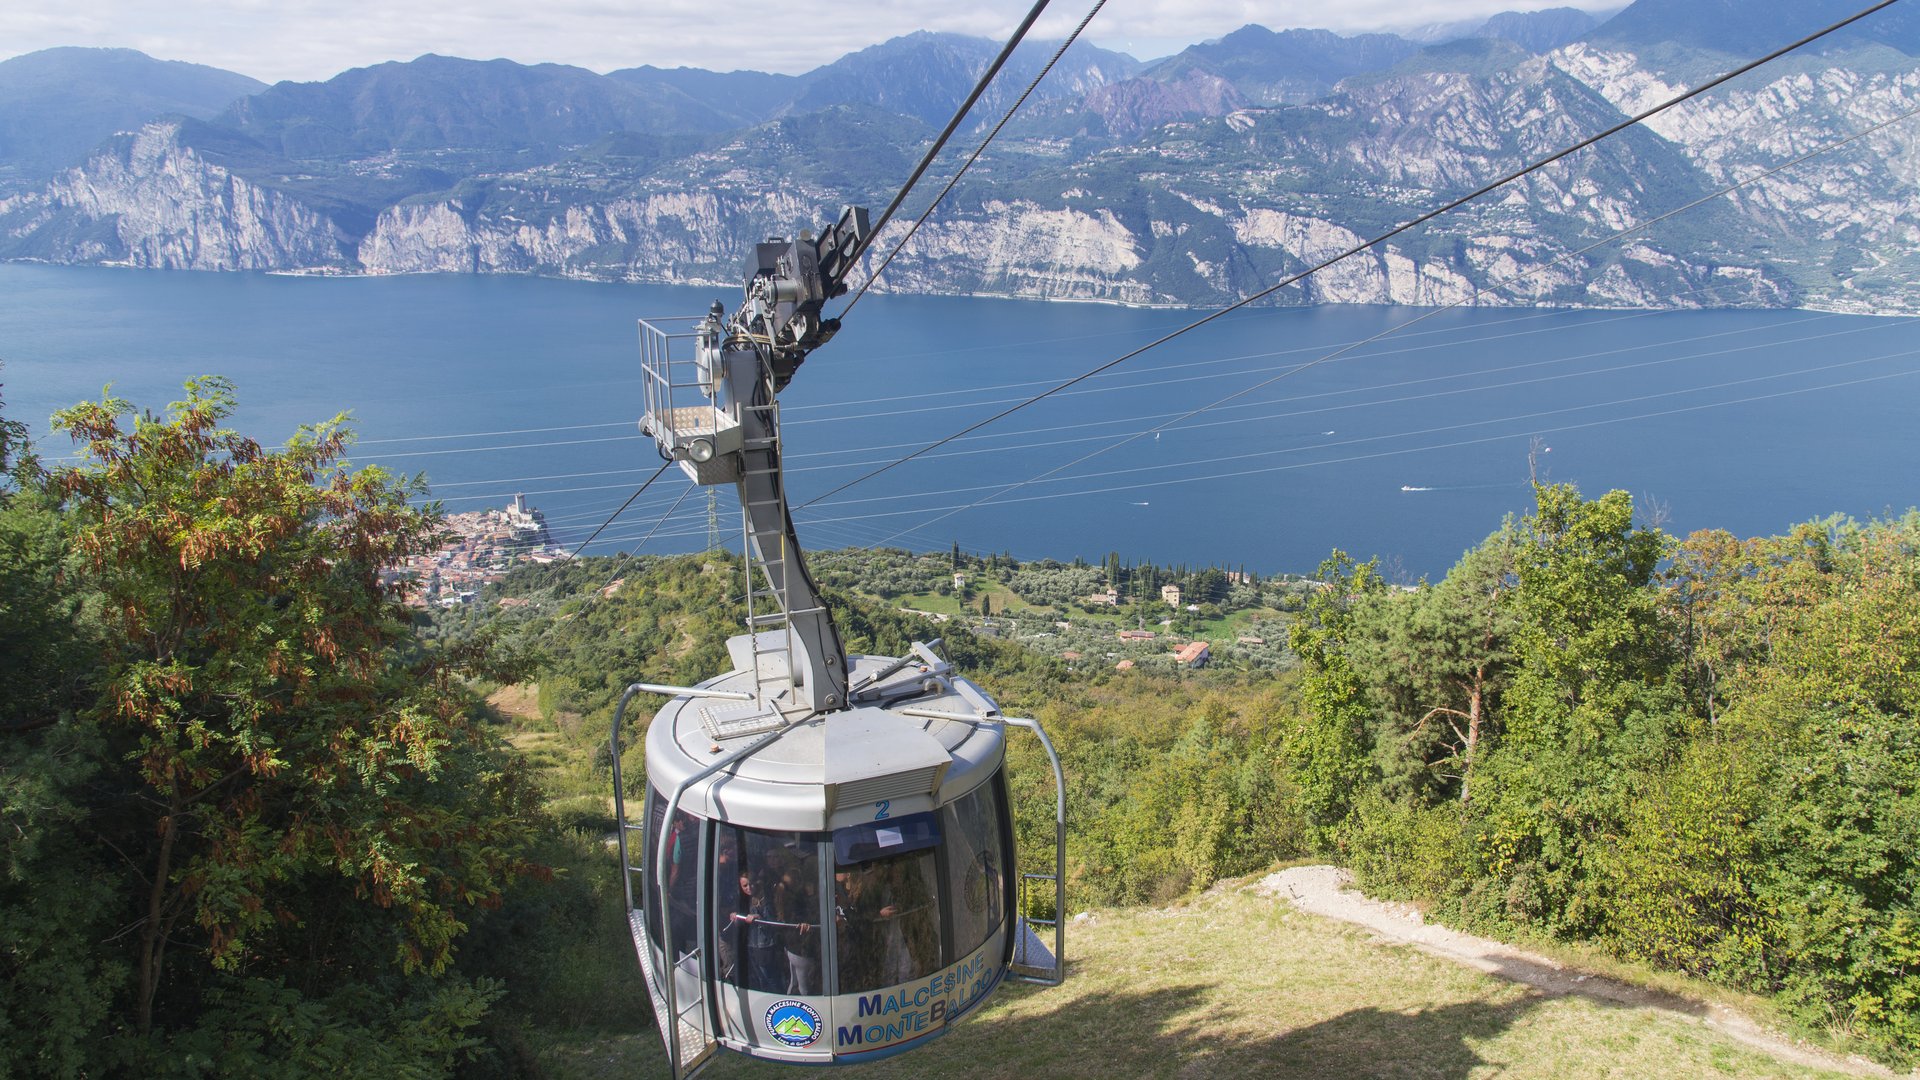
(1181, 366)
(1485, 338)
(1450, 445)
(946, 133)
(1481, 440)
(623, 508)
(561, 524)
(574, 522)
(842, 405)
(1141, 470)
(1477, 441)
(614, 574)
(1681, 98)
(1641, 227)
(1156, 417)
(968, 164)
(1131, 436)
(1117, 488)
(506, 482)
(1358, 440)
(1530, 315)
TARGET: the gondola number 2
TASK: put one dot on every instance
(880, 809)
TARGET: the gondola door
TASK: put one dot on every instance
(676, 892)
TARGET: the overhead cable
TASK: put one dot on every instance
(623, 508)
(614, 574)
(1622, 234)
(1166, 421)
(959, 114)
(968, 164)
(1366, 245)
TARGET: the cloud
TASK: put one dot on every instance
(316, 39)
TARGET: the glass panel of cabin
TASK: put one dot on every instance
(887, 902)
(766, 905)
(976, 867)
(683, 853)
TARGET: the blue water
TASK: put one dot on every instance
(1748, 421)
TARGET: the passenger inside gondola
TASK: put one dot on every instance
(888, 904)
(729, 936)
(796, 903)
(769, 934)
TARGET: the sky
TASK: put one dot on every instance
(304, 40)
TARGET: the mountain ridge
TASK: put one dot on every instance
(56, 105)
(1189, 181)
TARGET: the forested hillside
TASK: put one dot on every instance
(257, 819)
(1699, 753)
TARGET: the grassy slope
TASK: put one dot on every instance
(1235, 985)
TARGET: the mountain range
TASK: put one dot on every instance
(1190, 180)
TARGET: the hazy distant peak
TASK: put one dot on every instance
(1286, 66)
(1538, 31)
(58, 104)
(74, 67)
(1751, 27)
(1535, 31)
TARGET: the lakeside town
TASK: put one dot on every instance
(481, 546)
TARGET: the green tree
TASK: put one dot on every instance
(1437, 660)
(1330, 751)
(1592, 707)
(57, 986)
(308, 798)
(1810, 646)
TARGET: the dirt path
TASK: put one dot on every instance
(1327, 891)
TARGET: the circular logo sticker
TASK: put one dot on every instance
(794, 1023)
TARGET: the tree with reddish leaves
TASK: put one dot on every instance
(305, 797)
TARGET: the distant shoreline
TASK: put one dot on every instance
(328, 272)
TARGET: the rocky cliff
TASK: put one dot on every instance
(1181, 193)
(148, 200)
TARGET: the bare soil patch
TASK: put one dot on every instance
(521, 700)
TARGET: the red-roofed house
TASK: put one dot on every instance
(1194, 654)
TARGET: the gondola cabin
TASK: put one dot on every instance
(823, 870)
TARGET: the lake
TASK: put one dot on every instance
(1411, 447)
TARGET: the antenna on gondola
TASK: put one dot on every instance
(827, 871)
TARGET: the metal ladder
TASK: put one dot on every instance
(762, 626)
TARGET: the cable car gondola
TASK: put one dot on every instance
(826, 868)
